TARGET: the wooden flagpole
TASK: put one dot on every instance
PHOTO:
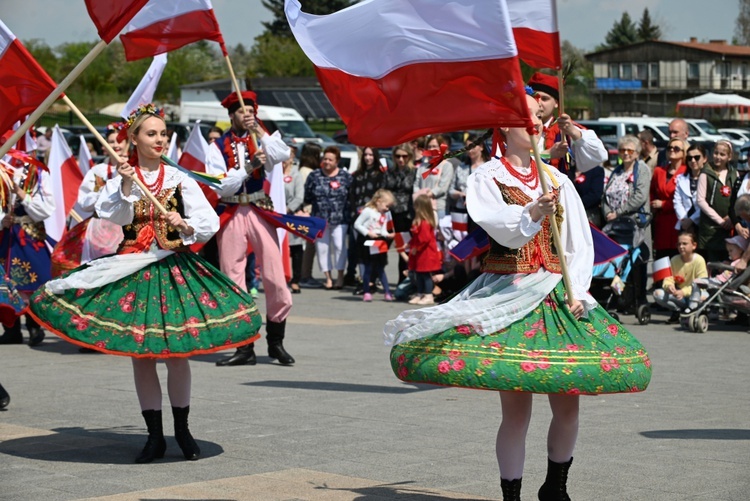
(553, 224)
(112, 153)
(95, 51)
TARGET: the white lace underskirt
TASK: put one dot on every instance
(490, 303)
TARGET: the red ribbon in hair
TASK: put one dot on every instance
(435, 156)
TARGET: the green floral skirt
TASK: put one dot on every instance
(548, 351)
(176, 307)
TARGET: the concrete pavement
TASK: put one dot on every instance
(339, 426)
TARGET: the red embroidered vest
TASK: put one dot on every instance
(539, 252)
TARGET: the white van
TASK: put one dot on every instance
(287, 121)
(659, 127)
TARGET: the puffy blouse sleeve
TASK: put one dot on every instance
(198, 213)
(509, 225)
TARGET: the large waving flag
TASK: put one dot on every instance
(23, 83)
(395, 70)
(111, 16)
(535, 30)
(165, 25)
(144, 93)
(66, 178)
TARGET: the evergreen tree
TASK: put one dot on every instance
(280, 27)
(742, 25)
(646, 29)
(623, 32)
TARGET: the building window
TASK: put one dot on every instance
(641, 71)
(627, 71)
(654, 75)
(614, 71)
(693, 71)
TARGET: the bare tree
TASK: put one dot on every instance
(742, 25)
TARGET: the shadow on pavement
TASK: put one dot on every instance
(394, 491)
(709, 434)
(346, 387)
(106, 446)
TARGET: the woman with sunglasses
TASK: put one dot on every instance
(663, 184)
(715, 187)
(400, 181)
(686, 190)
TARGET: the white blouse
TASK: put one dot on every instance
(87, 197)
(39, 205)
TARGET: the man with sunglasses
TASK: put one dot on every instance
(678, 129)
(563, 134)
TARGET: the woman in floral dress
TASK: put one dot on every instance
(511, 329)
(153, 299)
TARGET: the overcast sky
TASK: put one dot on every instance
(583, 22)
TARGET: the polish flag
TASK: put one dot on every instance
(662, 269)
(196, 154)
(402, 240)
(24, 83)
(396, 70)
(85, 162)
(377, 246)
(173, 152)
(460, 221)
(162, 26)
(144, 93)
(535, 30)
(111, 16)
(65, 178)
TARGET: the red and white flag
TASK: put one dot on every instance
(24, 83)
(662, 269)
(85, 162)
(396, 70)
(402, 240)
(198, 156)
(144, 93)
(111, 16)
(65, 179)
(162, 26)
(27, 143)
(535, 30)
(459, 221)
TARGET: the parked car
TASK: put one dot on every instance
(658, 127)
(737, 137)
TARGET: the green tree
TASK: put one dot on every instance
(622, 33)
(280, 27)
(44, 55)
(646, 29)
(278, 56)
(742, 24)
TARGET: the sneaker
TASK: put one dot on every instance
(416, 299)
(310, 283)
(388, 297)
(367, 297)
(427, 299)
(254, 292)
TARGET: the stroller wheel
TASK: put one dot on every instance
(643, 314)
(700, 324)
(613, 314)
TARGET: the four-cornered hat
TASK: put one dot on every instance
(548, 84)
(232, 102)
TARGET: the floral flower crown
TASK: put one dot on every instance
(116, 127)
(148, 109)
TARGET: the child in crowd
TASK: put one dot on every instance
(424, 257)
(677, 291)
(372, 226)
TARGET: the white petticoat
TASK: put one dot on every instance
(489, 304)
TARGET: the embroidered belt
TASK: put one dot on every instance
(258, 198)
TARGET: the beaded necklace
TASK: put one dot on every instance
(157, 185)
(531, 180)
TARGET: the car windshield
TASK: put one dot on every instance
(707, 127)
(295, 128)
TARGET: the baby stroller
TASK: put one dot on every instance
(730, 295)
(620, 284)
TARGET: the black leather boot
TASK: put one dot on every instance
(275, 336)
(4, 398)
(185, 440)
(555, 487)
(155, 445)
(12, 335)
(511, 489)
(36, 333)
(245, 355)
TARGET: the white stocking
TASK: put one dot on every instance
(563, 429)
(147, 383)
(510, 446)
(178, 381)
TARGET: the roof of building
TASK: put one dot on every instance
(720, 47)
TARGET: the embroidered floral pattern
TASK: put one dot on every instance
(546, 352)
